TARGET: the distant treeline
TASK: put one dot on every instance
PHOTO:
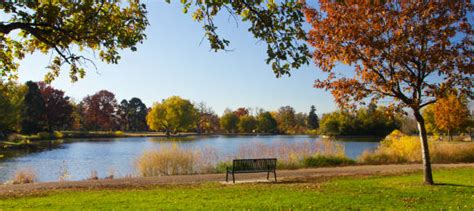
(37, 107)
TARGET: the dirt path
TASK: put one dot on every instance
(283, 175)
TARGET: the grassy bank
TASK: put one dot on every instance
(377, 192)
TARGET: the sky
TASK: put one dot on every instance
(174, 61)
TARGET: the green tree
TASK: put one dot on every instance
(11, 102)
(286, 119)
(133, 115)
(61, 27)
(34, 111)
(247, 124)
(173, 115)
(301, 124)
(313, 119)
(266, 123)
(229, 122)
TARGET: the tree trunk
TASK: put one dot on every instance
(449, 136)
(424, 148)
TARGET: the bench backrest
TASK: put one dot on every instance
(254, 165)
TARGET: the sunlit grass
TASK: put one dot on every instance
(377, 192)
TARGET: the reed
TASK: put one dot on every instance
(400, 148)
(24, 176)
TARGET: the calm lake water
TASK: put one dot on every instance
(118, 155)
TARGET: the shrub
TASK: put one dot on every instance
(45, 135)
(321, 160)
(119, 133)
(15, 137)
(58, 134)
(221, 167)
(24, 176)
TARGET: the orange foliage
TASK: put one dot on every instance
(394, 46)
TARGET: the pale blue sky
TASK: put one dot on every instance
(173, 62)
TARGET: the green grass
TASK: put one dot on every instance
(377, 192)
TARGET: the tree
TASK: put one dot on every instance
(241, 112)
(313, 119)
(173, 115)
(133, 115)
(247, 124)
(60, 27)
(33, 113)
(285, 118)
(11, 102)
(229, 122)
(57, 107)
(207, 120)
(100, 111)
(406, 51)
(266, 123)
(451, 114)
(301, 125)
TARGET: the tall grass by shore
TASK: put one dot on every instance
(175, 160)
(398, 148)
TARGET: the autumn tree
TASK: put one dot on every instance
(57, 107)
(404, 51)
(241, 112)
(451, 114)
(173, 115)
(286, 119)
(266, 123)
(313, 119)
(33, 110)
(100, 111)
(59, 28)
(207, 120)
(229, 121)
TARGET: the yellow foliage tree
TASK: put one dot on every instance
(172, 115)
(450, 114)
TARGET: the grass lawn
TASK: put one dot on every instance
(400, 192)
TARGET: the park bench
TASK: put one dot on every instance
(252, 166)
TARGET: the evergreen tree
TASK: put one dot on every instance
(34, 118)
(313, 119)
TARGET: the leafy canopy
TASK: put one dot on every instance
(410, 51)
(172, 115)
(279, 25)
(65, 29)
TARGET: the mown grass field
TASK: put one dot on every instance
(455, 191)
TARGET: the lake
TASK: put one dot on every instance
(79, 157)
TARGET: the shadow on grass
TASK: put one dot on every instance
(453, 185)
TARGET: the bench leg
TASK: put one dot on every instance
(275, 173)
(226, 176)
(233, 177)
(268, 175)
